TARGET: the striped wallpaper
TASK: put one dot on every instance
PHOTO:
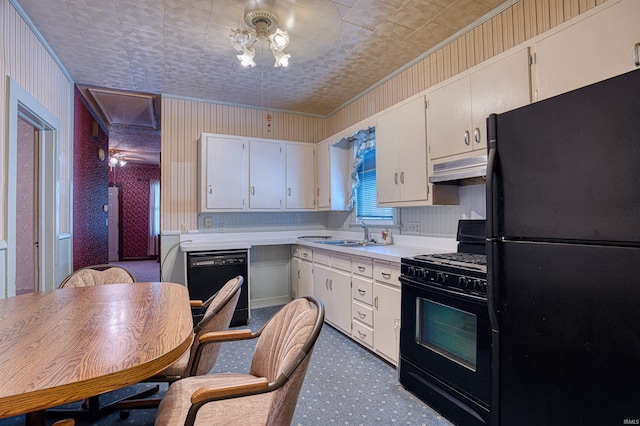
(184, 120)
(24, 59)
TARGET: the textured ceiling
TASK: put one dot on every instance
(338, 48)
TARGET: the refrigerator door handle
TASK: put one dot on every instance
(492, 237)
(491, 160)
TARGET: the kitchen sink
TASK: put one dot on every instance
(348, 243)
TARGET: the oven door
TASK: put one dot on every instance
(448, 336)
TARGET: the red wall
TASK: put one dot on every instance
(133, 180)
(90, 192)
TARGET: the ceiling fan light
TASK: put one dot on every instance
(113, 161)
(282, 59)
(121, 163)
(279, 40)
(246, 59)
(239, 38)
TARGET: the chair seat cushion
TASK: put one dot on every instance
(252, 410)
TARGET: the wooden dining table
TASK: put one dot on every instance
(68, 344)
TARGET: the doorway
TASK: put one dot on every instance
(114, 224)
(27, 206)
(33, 185)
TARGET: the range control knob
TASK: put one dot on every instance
(463, 282)
(424, 273)
(411, 270)
(440, 277)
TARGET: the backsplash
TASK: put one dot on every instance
(434, 221)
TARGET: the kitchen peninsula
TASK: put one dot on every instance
(357, 283)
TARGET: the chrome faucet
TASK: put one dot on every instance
(366, 230)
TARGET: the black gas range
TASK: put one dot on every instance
(445, 338)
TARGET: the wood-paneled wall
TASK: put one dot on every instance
(24, 59)
(513, 26)
(184, 121)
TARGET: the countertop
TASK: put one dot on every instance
(404, 245)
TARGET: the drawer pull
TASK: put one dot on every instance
(385, 275)
(636, 54)
(362, 335)
(361, 268)
(305, 254)
(361, 315)
(375, 302)
(361, 292)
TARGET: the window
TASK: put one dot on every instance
(366, 194)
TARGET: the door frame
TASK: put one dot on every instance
(24, 104)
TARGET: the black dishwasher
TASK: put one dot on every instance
(208, 272)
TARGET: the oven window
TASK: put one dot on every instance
(448, 331)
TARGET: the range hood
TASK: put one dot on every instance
(467, 170)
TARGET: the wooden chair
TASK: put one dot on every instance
(204, 352)
(269, 393)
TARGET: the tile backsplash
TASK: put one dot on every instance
(434, 221)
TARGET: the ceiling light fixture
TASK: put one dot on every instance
(263, 26)
(116, 159)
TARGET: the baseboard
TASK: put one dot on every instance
(271, 301)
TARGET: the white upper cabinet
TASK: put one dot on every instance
(600, 45)
(266, 174)
(223, 171)
(332, 165)
(300, 176)
(457, 112)
(401, 155)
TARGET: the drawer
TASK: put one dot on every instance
(363, 334)
(362, 313)
(362, 289)
(321, 257)
(386, 272)
(306, 253)
(295, 251)
(362, 266)
(341, 262)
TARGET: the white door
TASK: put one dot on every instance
(114, 224)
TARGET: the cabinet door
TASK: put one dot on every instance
(300, 176)
(497, 88)
(305, 278)
(340, 286)
(295, 278)
(224, 165)
(321, 278)
(449, 119)
(413, 151)
(593, 49)
(386, 316)
(323, 191)
(266, 170)
(388, 141)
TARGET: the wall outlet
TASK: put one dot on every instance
(221, 227)
(413, 228)
(207, 222)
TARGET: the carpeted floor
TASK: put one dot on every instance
(345, 384)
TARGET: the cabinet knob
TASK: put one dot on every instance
(476, 135)
(636, 54)
(210, 189)
(402, 177)
(253, 190)
(289, 192)
(466, 138)
(318, 192)
(395, 178)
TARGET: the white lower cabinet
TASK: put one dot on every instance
(301, 272)
(386, 313)
(361, 297)
(333, 288)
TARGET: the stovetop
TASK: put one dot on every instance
(474, 261)
(464, 271)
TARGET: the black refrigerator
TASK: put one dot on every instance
(563, 246)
